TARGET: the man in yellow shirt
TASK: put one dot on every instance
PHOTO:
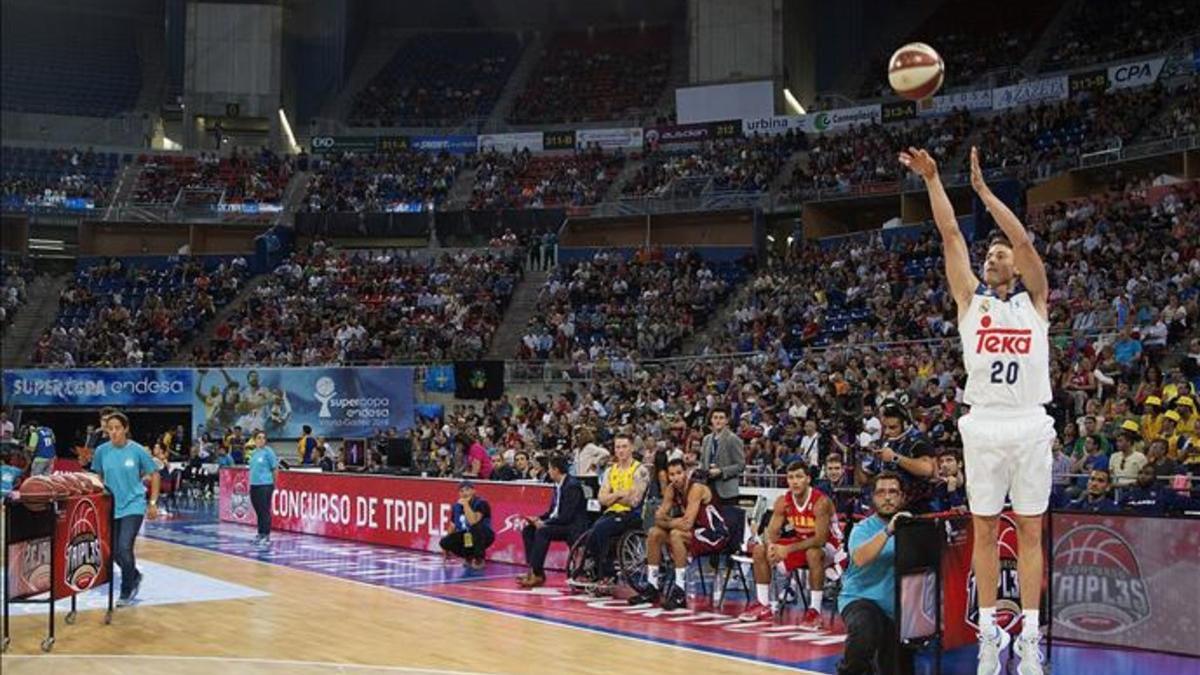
(1176, 442)
(1151, 418)
(621, 492)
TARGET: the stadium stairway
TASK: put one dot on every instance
(516, 83)
(631, 168)
(460, 193)
(715, 325)
(32, 320)
(516, 318)
(1049, 37)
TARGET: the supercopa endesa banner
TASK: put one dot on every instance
(335, 402)
(394, 511)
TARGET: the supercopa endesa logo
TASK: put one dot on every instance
(1098, 584)
(515, 522)
(84, 555)
(1008, 595)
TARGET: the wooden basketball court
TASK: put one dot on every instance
(312, 622)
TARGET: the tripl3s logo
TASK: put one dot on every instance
(1098, 584)
(84, 552)
(1008, 595)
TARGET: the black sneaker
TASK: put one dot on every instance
(649, 595)
(137, 586)
(676, 598)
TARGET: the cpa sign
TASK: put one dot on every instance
(1135, 74)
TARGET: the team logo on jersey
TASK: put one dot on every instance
(985, 306)
(1008, 595)
(1017, 341)
(1098, 584)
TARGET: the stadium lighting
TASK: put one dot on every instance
(47, 244)
(793, 105)
(287, 133)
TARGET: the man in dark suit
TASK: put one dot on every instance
(565, 520)
(722, 457)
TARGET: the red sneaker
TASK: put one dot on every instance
(812, 621)
(757, 612)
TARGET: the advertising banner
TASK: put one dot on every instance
(772, 126)
(336, 402)
(672, 134)
(1127, 581)
(625, 138)
(455, 145)
(528, 140)
(980, 99)
(82, 544)
(833, 120)
(81, 548)
(1135, 73)
(393, 511)
(1049, 89)
(97, 387)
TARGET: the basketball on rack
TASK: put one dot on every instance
(36, 492)
(916, 71)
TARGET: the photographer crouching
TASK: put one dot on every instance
(867, 602)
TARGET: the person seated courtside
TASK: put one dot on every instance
(565, 520)
(689, 520)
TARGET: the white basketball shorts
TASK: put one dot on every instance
(1008, 453)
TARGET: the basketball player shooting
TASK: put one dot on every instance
(1007, 436)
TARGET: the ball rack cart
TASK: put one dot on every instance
(23, 524)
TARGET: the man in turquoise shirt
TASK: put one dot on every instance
(868, 598)
(263, 464)
(122, 463)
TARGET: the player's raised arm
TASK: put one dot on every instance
(963, 281)
(1025, 257)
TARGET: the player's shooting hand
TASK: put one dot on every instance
(920, 162)
(977, 181)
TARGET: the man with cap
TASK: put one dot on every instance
(1186, 407)
(469, 533)
(1128, 460)
(1177, 443)
(1151, 418)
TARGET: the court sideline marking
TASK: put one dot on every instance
(528, 617)
(237, 659)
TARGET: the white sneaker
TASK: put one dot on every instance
(989, 652)
(1031, 655)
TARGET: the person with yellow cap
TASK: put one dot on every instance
(1128, 460)
(1186, 407)
(1151, 418)
(1176, 441)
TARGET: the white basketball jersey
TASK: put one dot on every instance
(1006, 351)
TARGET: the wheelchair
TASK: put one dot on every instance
(628, 553)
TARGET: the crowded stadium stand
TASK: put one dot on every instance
(210, 179)
(324, 307)
(739, 165)
(614, 307)
(59, 178)
(135, 312)
(438, 79)
(92, 71)
(376, 182)
(521, 180)
(615, 74)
